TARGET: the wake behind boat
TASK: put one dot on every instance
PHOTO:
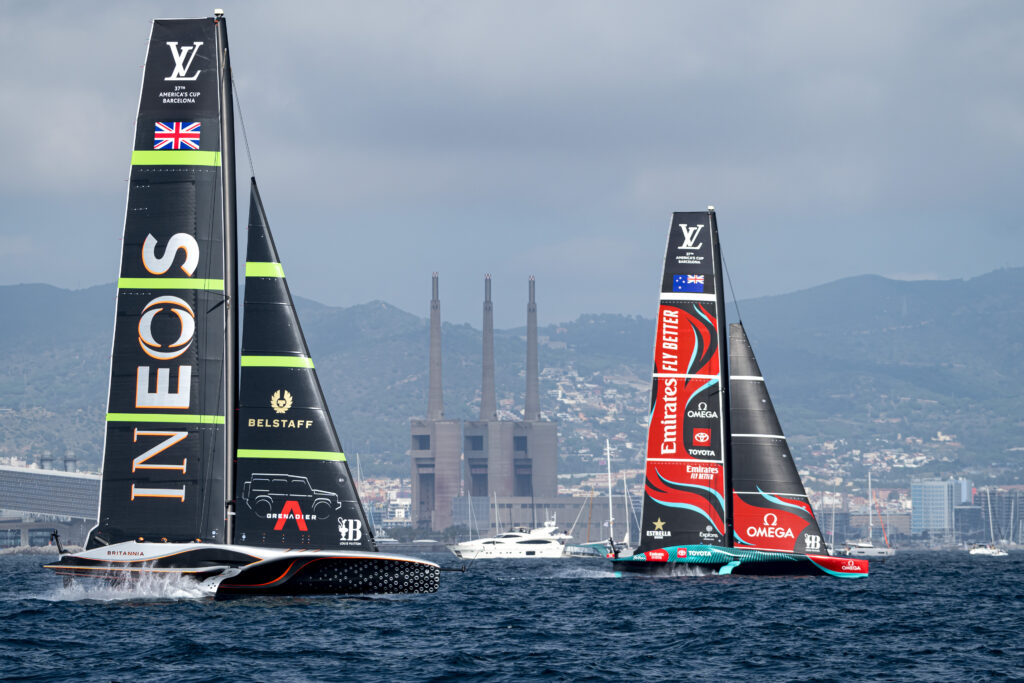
(722, 491)
(219, 466)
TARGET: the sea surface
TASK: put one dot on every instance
(919, 617)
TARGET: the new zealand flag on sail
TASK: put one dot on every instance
(176, 135)
(687, 283)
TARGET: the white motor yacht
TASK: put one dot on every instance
(866, 549)
(545, 542)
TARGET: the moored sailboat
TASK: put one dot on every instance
(219, 466)
(721, 491)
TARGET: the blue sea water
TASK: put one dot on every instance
(919, 617)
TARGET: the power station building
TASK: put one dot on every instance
(481, 460)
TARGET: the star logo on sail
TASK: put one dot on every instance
(281, 401)
(659, 530)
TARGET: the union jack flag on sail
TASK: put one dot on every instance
(176, 135)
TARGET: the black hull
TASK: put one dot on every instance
(334, 576)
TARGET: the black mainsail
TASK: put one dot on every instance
(164, 450)
(770, 506)
(293, 485)
(686, 498)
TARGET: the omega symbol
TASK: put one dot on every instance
(186, 318)
(771, 519)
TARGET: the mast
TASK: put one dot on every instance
(723, 345)
(991, 528)
(611, 517)
(227, 121)
(625, 501)
(871, 500)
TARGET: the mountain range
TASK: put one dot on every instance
(863, 359)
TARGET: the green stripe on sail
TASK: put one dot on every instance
(276, 362)
(290, 455)
(166, 417)
(169, 283)
(177, 157)
(263, 269)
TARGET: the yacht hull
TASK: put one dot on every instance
(223, 570)
(719, 560)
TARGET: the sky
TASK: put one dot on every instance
(394, 139)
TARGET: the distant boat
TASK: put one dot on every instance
(721, 491)
(867, 547)
(988, 550)
(544, 542)
(218, 467)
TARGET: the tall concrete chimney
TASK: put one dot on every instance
(532, 411)
(435, 405)
(488, 403)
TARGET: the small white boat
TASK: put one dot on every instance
(544, 542)
(866, 549)
(988, 550)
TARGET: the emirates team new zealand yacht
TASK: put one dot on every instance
(721, 491)
(219, 466)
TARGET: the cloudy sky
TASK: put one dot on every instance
(393, 139)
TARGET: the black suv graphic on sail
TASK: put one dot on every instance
(265, 493)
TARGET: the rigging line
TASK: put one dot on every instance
(241, 120)
(735, 299)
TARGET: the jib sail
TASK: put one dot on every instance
(685, 493)
(293, 487)
(165, 442)
(770, 505)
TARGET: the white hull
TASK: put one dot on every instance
(867, 551)
(545, 542)
(988, 551)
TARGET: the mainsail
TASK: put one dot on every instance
(293, 486)
(685, 494)
(770, 506)
(166, 438)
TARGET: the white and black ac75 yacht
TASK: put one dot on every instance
(220, 465)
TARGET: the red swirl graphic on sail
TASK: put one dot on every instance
(685, 476)
(687, 340)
